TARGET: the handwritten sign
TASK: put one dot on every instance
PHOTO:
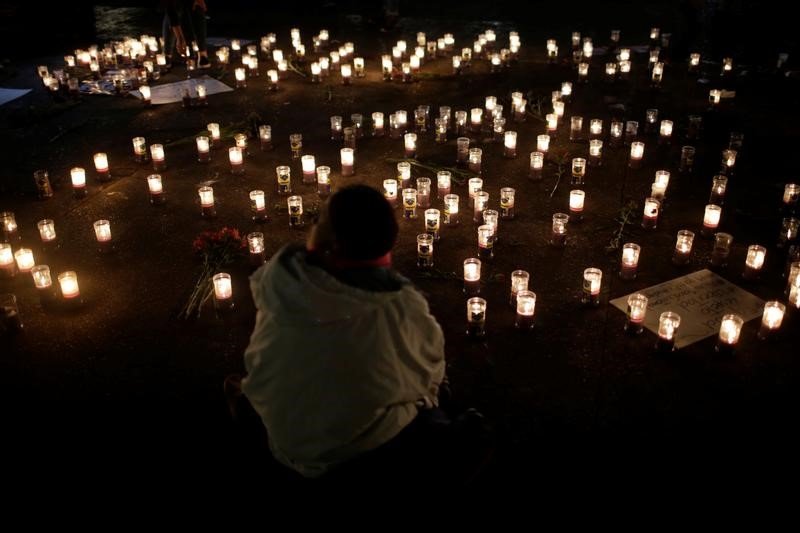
(701, 298)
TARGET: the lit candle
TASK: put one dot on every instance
(615, 132)
(630, 261)
(144, 90)
(102, 231)
(721, 250)
(9, 226)
(683, 248)
(595, 152)
(576, 202)
(711, 220)
(476, 119)
(451, 209)
(637, 153)
(207, 201)
(729, 331)
(405, 68)
(668, 324)
(203, 149)
(791, 193)
(78, 177)
(258, 206)
(240, 140)
(552, 123)
(592, 281)
(789, 229)
(687, 159)
(728, 161)
(650, 213)
(69, 286)
(265, 137)
(771, 319)
(558, 235)
(694, 61)
(295, 206)
(158, 157)
(284, 180)
(323, 181)
(507, 202)
(43, 282)
(537, 162)
(213, 129)
(462, 150)
(236, 160)
(410, 143)
(475, 155)
(485, 241)
(223, 292)
(24, 259)
(719, 185)
(101, 165)
(201, 94)
(525, 305)
(255, 245)
(47, 231)
(754, 262)
(241, 77)
(575, 128)
(424, 192)
(727, 65)
(377, 124)
(309, 165)
(578, 170)
(346, 71)
(296, 145)
(8, 268)
(542, 143)
(414, 63)
(480, 203)
(510, 144)
(714, 96)
(424, 250)
(461, 122)
(443, 183)
(409, 203)
(793, 280)
(358, 67)
(432, 222)
(657, 73)
(404, 174)
(472, 276)
(272, 77)
(665, 131)
(155, 187)
(637, 309)
(476, 317)
(611, 71)
(139, 149)
(348, 161)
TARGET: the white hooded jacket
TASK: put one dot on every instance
(333, 370)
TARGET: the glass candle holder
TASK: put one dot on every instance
(475, 119)
(789, 229)
(719, 186)
(402, 121)
(492, 218)
(611, 72)
(390, 191)
(592, 281)
(158, 157)
(461, 122)
(102, 231)
(476, 317)
(577, 199)
(729, 331)
(203, 149)
(595, 128)
(711, 219)
(542, 143)
(236, 160)
(295, 207)
(475, 155)
(443, 183)
(433, 222)
(241, 77)
(683, 248)
(284, 180)
(223, 292)
(650, 213)
(409, 203)
(410, 145)
(451, 209)
(714, 97)
(323, 181)
(575, 128)
(472, 276)
(47, 233)
(507, 195)
(615, 133)
(207, 208)
(510, 144)
(24, 259)
(347, 156)
(8, 267)
(8, 223)
(792, 278)
(485, 242)
(551, 120)
(377, 125)
(536, 165)
(101, 166)
(668, 323)
(558, 235)
(651, 119)
(155, 188)
(349, 137)
(309, 166)
(214, 133)
(637, 154)
(637, 309)
(258, 206)
(255, 247)
(578, 171)
(420, 122)
(479, 202)
(756, 255)
(296, 145)
(629, 264)
(240, 141)
(526, 307)
(78, 179)
(791, 193)
(665, 132)
(424, 250)
(423, 193)
(771, 319)
(462, 150)
(728, 162)
(70, 290)
(43, 282)
(404, 174)
(721, 250)
(139, 149)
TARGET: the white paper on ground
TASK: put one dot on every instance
(700, 298)
(6, 95)
(173, 92)
(224, 41)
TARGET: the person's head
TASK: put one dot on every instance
(357, 223)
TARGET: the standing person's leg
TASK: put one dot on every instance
(199, 25)
(168, 36)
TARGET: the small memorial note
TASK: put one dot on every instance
(701, 298)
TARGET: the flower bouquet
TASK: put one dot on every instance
(217, 249)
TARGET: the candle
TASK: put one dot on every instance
(728, 161)
(475, 155)
(595, 128)
(687, 159)
(421, 119)
(358, 67)
(771, 319)
(683, 248)
(789, 230)
(537, 163)
(409, 203)
(451, 209)
(476, 119)
(637, 153)
(443, 183)
(272, 77)
(714, 96)
(358, 123)
(309, 165)
(158, 157)
(694, 61)
(791, 193)
(223, 292)
(424, 192)
(139, 149)
(592, 280)
(8, 267)
(201, 94)
(558, 109)
(476, 317)
(101, 165)
(323, 181)
(480, 203)
(295, 207)
(9, 226)
(410, 143)
(729, 331)
(665, 131)
(348, 161)
(461, 122)
(727, 65)
(462, 150)
(207, 208)
(510, 144)
(424, 250)
(69, 286)
(47, 231)
(43, 282)
(611, 71)
(213, 129)
(558, 235)
(241, 77)
(525, 305)
(657, 74)
(637, 309)
(630, 261)
(102, 231)
(662, 179)
(155, 187)
(793, 278)
(472, 276)
(432, 222)
(236, 160)
(296, 145)
(711, 220)
(754, 262)
(284, 180)
(377, 124)
(258, 206)
(507, 203)
(404, 174)
(650, 213)
(552, 124)
(485, 241)
(240, 140)
(542, 146)
(575, 128)
(144, 90)
(721, 250)
(405, 68)
(668, 323)
(719, 185)
(346, 71)
(24, 259)
(576, 202)
(255, 245)
(578, 170)
(78, 177)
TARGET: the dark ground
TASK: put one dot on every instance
(123, 387)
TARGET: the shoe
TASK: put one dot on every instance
(203, 62)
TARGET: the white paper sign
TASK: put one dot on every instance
(700, 298)
(170, 93)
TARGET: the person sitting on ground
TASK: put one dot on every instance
(345, 352)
